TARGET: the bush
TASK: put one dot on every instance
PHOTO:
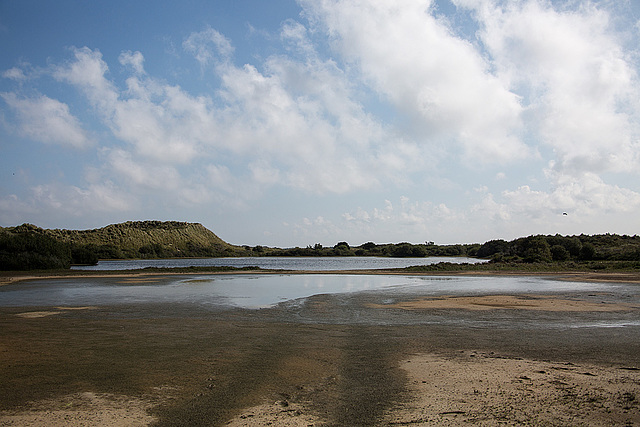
(559, 253)
(84, 255)
(405, 250)
(32, 251)
(492, 247)
(587, 252)
(534, 249)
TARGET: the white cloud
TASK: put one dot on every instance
(61, 201)
(581, 85)
(160, 121)
(47, 120)
(408, 101)
(88, 73)
(13, 210)
(295, 37)
(593, 206)
(302, 117)
(144, 175)
(15, 73)
(297, 120)
(438, 79)
(134, 60)
(586, 196)
(411, 221)
(208, 46)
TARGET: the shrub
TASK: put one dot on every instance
(559, 253)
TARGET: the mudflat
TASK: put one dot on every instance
(328, 360)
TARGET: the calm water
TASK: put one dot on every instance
(280, 263)
(345, 297)
(256, 291)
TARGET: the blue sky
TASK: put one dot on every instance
(290, 123)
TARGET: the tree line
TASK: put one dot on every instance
(28, 247)
(398, 250)
(539, 248)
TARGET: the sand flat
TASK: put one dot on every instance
(506, 302)
(485, 389)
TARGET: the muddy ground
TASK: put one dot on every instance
(329, 360)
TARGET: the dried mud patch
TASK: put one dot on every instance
(81, 409)
(484, 389)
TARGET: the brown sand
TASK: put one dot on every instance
(37, 314)
(494, 302)
(461, 389)
(480, 389)
(82, 409)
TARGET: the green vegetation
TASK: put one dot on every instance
(398, 250)
(32, 251)
(527, 267)
(541, 249)
(27, 247)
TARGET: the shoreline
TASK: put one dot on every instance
(577, 276)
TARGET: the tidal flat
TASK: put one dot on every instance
(371, 357)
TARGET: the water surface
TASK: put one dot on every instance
(279, 263)
(265, 290)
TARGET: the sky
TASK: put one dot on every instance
(295, 122)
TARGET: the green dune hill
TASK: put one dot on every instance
(30, 247)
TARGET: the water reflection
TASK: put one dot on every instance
(279, 263)
(257, 291)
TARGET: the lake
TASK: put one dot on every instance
(265, 290)
(279, 263)
(343, 298)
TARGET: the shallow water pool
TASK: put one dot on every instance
(265, 290)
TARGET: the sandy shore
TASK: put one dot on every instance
(584, 276)
(461, 389)
(329, 361)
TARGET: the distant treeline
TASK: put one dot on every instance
(399, 250)
(603, 247)
(531, 249)
(27, 247)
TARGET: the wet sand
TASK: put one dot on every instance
(331, 360)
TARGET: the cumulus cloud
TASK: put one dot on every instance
(549, 82)
(134, 60)
(436, 78)
(87, 72)
(160, 121)
(587, 196)
(208, 46)
(580, 84)
(297, 123)
(60, 201)
(47, 120)
(410, 220)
